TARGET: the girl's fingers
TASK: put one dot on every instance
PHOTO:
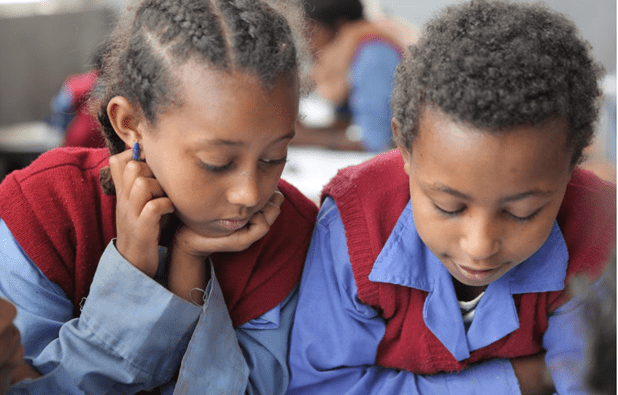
(153, 211)
(117, 164)
(132, 172)
(136, 187)
(8, 312)
(258, 227)
(125, 170)
(10, 339)
(140, 205)
(273, 207)
(10, 343)
(143, 191)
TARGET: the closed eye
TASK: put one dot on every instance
(524, 219)
(216, 169)
(449, 213)
(275, 162)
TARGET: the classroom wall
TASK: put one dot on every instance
(38, 52)
(596, 19)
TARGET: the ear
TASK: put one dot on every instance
(126, 120)
(405, 153)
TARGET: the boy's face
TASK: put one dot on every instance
(484, 202)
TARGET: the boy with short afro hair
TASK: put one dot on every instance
(440, 268)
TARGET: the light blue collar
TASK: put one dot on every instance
(406, 260)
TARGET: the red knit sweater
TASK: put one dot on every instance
(57, 212)
(371, 197)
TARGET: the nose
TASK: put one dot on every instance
(245, 189)
(480, 239)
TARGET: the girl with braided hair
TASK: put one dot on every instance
(172, 266)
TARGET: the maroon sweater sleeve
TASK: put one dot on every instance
(56, 211)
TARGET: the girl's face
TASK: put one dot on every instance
(219, 156)
(484, 202)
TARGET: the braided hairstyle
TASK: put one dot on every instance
(494, 65)
(260, 37)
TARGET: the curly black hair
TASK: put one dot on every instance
(260, 37)
(494, 65)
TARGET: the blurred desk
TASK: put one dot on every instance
(21, 143)
(309, 169)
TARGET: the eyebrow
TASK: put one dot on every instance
(519, 196)
(234, 143)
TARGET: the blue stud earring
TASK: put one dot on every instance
(136, 153)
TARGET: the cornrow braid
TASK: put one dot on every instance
(260, 37)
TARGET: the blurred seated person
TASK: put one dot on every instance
(355, 62)
(11, 351)
(70, 111)
(599, 298)
(13, 367)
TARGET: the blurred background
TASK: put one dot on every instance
(43, 42)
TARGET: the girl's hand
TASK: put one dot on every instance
(189, 249)
(191, 243)
(11, 349)
(140, 206)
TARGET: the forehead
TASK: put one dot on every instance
(196, 78)
(456, 154)
(232, 105)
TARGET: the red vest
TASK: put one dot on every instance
(57, 212)
(371, 197)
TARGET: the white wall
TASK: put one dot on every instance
(596, 19)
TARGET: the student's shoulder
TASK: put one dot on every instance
(585, 181)
(386, 164)
(587, 220)
(589, 199)
(62, 162)
(55, 177)
(382, 176)
(296, 205)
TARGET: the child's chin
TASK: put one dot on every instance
(211, 231)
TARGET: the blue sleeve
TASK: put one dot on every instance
(335, 337)
(565, 343)
(131, 335)
(266, 351)
(250, 360)
(371, 83)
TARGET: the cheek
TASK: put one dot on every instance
(525, 241)
(268, 184)
(431, 228)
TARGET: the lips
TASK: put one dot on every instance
(234, 224)
(475, 275)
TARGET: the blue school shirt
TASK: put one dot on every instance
(371, 79)
(133, 334)
(335, 337)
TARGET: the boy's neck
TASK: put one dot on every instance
(466, 293)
